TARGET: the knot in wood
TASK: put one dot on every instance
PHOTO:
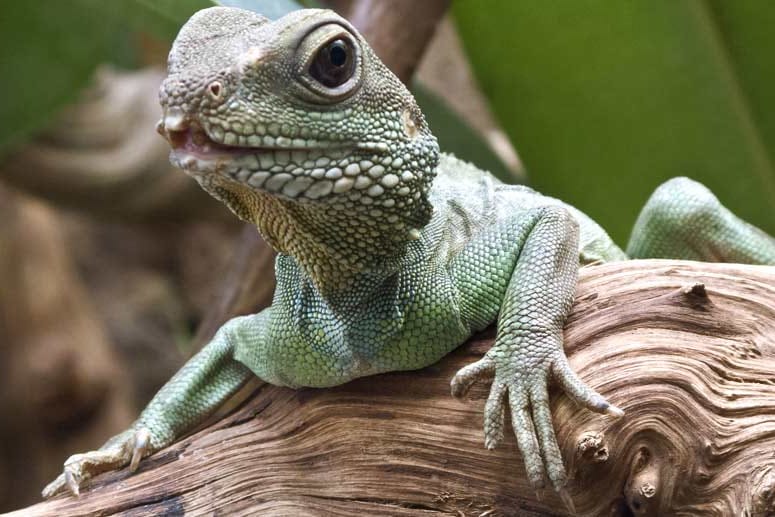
(648, 490)
(695, 289)
(592, 448)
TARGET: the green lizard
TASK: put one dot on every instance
(391, 254)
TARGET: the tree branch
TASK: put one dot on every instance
(686, 349)
(398, 30)
(57, 367)
(102, 156)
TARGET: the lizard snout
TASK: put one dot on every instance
(175, 126)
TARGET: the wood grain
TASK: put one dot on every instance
(686, 349)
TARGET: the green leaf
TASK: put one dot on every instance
(605, 100)
(162, 18)
(165, 17)
(49, 50)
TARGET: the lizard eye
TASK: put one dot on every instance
(329, 62)
(334, 63)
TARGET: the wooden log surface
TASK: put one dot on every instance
(686, 349)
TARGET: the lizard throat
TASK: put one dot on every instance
(332, 242)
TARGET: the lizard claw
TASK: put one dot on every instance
(70, 479)
(73, 482)
(579, 392)
(522, 387)
(141, 442)
(468, 375)
(54, 487)
(567, 501)
(126, 448)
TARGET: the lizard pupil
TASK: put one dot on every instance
(337, 53)
(334, 63)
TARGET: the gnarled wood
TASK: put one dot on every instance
(686, 349)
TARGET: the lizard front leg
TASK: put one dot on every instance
(198, 389)
(528, 348)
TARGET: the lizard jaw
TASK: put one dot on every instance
(199, 152)
(297, 169)
(195, 141)
(363, 175)
(293, 169)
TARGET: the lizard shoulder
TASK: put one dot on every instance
(468, 200)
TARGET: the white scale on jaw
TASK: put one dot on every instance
(292, 167)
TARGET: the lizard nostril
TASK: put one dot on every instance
(215, 88)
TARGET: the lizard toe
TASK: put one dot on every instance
(494, 411)
(579, 391)
(55, 487)
(73, 480)
(142, 441)
(468, 375)
(524, 429)
(79, 468)
(547, 439)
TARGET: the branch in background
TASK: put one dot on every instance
(102, 156)
(685, 348)
(58, 371)
(247, 287)
(398, 31)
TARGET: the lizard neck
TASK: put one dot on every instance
(334, 243)
(335, 246)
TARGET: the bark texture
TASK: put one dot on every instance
(686, 349)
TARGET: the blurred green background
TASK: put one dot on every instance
(603, 100)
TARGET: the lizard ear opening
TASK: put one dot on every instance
(329, 61)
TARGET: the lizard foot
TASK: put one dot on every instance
(126, 448)
(524, 384)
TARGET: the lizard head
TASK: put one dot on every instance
(299, 110)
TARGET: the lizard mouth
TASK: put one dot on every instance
(295, 168)
(195, 141)
(196, 149)
(195, 152)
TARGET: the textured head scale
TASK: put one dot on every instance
(302, 111)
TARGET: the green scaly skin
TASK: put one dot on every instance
(390, 253)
